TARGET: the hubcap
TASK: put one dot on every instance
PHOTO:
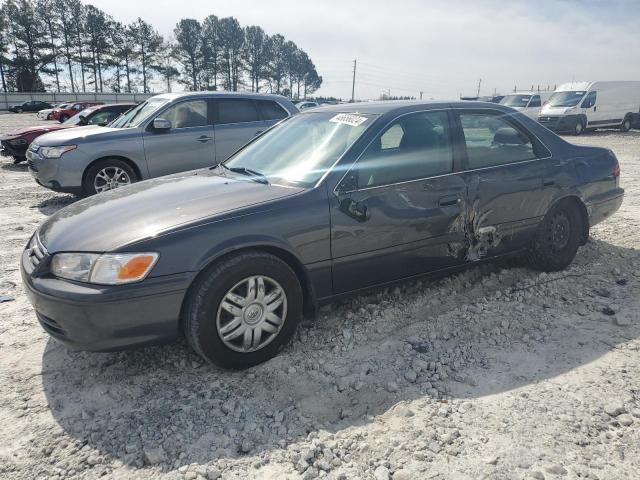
(109, 178)
(559, 232)
(251, 314)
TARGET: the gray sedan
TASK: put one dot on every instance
(168, 133)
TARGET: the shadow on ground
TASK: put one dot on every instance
(164, 396)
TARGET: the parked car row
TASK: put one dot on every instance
(15, 144)
(279, 212)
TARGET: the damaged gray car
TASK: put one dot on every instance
(329, 202)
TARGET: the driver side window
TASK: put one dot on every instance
(590, 100)
(413, 147)
(192, 113)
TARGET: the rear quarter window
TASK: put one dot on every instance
(270, 110)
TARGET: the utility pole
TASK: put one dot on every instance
(353, 85)
(479, 83)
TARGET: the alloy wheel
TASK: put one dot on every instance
(251, 314)
(109, 178)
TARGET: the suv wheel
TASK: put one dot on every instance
(557, 239)
(106, 175)
(242, 310)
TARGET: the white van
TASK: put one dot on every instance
(578, 106)
(529, 103)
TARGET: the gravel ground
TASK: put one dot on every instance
(498, 372)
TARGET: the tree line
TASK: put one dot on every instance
(64, 45)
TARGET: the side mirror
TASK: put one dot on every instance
(161, 124)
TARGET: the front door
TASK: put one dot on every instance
(187, 145)
(399, 211)
(504, 169)
(237, 122)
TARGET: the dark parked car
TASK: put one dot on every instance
(15, 144)
(326, 203)
(31, 106)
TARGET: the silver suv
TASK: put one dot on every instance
(166, 134)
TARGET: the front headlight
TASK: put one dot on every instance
(105, 269)
(56, 152)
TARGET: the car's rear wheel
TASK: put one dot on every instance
(242, 310)
(558, 237)
(64, 118)
(108, 174)
(626, 124)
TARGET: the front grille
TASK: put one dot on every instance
(50, 325)
(35, 251)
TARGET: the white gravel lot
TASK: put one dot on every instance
(500, 372)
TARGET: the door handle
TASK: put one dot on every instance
(449, 201)
(203, 139)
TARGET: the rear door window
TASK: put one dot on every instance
(491, 140)
(236, 110)
(270, 110)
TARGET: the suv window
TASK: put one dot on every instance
(102, 117)
(590, 100)
(491, 140)
(270, 110)
(236, 110)
(192, 113)
(535, 101)
(413, 147)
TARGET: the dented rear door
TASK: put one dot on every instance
(503, 168)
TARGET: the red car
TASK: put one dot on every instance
(62, 114)
(15, 144)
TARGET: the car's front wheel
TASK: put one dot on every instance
(19, 110)
(242, 310)
(49, 117)
(106, 175)
(557, 239)
(579, 127)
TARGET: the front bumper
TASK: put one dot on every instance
(9, 150)
(105, 318)
(51, 172)
(559, 123)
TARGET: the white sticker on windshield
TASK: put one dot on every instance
(349, 119)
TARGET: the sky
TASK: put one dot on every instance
(440, 48)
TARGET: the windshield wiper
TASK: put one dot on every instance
(257, 176)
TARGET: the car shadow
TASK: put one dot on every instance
(14, 167)
(465, 333)
(51, 205)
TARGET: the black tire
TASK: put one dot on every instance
(579, 127)
(626, 124)
(203, 302)
(88, 186)
(558, 237)
(19, 110)
(49, 117)
(63, 118)
(17, 160)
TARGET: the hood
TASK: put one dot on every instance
(79, 135)
(123, 216)
(40, 129)
(549, 110)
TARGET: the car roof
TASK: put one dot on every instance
(392, 106)
(214, 94)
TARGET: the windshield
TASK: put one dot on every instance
(139, 114)
(566, 99)
(300, 150)
(76, 120)
(516, 100)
